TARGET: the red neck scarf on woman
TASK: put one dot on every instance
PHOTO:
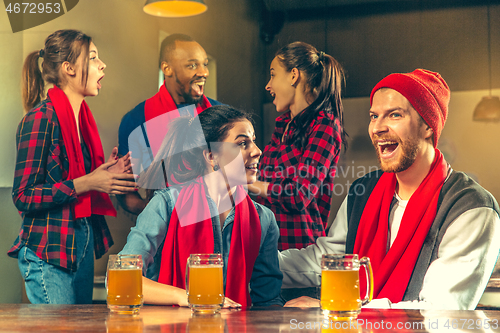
(162, 104)
(392, 269)
(185, 238)
(92, 202)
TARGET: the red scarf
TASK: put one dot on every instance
(392, 269)
(162, 104)
(185, 237)
(92, 202)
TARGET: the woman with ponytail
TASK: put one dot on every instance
(298, 165)
(61, 181)
(207, 161)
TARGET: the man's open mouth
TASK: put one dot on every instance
(198, 87)
(387, 147)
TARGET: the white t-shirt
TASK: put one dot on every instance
(455, 280)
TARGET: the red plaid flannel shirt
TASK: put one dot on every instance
(43, 194)
(301, 180)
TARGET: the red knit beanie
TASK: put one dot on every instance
(426, 91)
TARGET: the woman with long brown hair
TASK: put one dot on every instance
(61, 182)
(298, 165)
(207, 161)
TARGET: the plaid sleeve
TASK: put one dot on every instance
(38, 169)
(308, 168)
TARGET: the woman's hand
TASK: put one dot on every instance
(162, 294)
(230, 304)
(123, 164)
(303, 302)
(102, 180)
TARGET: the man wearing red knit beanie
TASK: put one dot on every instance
(430, 232)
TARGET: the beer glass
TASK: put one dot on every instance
(340, 295)
(124, 283)
(204, 282)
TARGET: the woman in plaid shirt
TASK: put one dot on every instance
(298, 166)
(61, 182)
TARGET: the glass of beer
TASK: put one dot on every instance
(204, 282)
(340, 295)
(124, 283)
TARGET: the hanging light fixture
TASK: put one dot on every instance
(488, 108)
(174, 8)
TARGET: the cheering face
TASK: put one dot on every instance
(396, 129)
(238, 155)
(95, 73)
(280, 86)
(188, 66)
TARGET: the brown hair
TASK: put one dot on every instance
(324, 78)
(180, 158)
(60, 46)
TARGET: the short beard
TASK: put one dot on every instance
(410, 151)
(188, 98)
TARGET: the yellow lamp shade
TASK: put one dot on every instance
(174, 8)
(488, 109)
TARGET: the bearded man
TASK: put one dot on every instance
(431, 233)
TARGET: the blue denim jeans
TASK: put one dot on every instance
(50, 284)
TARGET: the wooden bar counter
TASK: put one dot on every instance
(96, 318)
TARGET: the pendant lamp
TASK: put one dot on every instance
(488, 108)
(174, 8)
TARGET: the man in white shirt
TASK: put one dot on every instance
(431, 233)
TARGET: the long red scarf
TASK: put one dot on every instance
(162, 104)
(392, 269)
(92, 202)
(185, 237)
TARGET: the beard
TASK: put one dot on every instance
(186, 91)
(409, 150)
